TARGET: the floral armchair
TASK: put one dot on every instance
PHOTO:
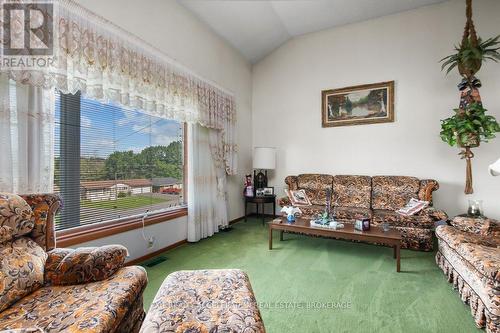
(48, 289)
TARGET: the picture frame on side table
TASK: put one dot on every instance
(269, 191)
(264, 191)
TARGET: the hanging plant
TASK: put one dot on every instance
(470, 125)
(472, 51)
(470, 56)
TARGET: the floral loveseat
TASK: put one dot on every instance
(469, 255)
(376, 198)
(48, 289)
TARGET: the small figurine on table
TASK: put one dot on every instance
(291, 213)
(248, 190)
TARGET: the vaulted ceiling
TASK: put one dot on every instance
(256, 27)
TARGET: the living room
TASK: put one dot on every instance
(250, 166)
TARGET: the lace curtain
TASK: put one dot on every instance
(207, 203)
(26, 138)
(105, 62)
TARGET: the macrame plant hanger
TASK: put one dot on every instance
(469, 95)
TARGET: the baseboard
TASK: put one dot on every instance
(238, 219)
(184, 241)
(252, 215)
(155, 253)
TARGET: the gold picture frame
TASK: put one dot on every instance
(358, 105)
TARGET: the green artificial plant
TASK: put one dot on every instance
(469, 127)
(471, 54)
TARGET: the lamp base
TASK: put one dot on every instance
(260, 179)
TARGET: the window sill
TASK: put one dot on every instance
(78, 235)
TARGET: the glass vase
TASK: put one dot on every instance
(475, 208)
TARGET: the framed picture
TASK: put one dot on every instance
(262, 192)
(268, 190)
(357, 105)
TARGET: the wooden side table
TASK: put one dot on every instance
(260, 201)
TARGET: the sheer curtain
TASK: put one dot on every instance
(107, 63)
(26, 137)
(207, 208)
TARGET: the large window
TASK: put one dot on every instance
(112, 163)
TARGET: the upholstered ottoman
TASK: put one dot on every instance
(204, 301)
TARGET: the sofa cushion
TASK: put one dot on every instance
(349, 214)
(413, 221)
(393, 192)
(485, 259)
(83, 265)
(93, 307)
(315, 186)
(468, 224)
(16, 217)
(454, 237)
(415, 238)
(22, 264)
(311, 211)
(352, 191)
(181, 303)
(491, 228)
(486, 227)
(435, 214)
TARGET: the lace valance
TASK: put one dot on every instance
(105, 62)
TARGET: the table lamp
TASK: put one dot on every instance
(495, 168)
(264, 158)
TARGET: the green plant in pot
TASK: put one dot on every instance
(471, 54)
(470, 125)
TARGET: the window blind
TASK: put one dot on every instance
(113, 163)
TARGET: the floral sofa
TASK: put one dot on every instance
(48, 289)
(469, 255)
(376, 198)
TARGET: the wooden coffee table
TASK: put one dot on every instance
(374, 235)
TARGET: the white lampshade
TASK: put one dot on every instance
(264, 158)
(495, 168)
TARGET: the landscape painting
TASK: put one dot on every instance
(365, 104)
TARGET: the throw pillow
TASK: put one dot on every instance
(413, 207)
(298, 198)
(16, 217)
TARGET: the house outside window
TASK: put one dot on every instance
(113, 163)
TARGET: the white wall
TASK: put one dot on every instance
(165, 234)
(406, 47)
(180, 35)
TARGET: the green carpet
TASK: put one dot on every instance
(323, 285)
